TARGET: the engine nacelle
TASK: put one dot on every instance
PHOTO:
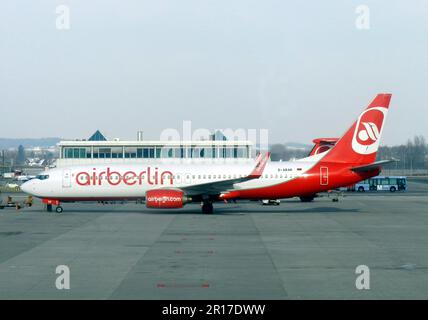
(165, 199)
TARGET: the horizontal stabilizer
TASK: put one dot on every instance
(372, 166)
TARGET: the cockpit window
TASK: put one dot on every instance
(42, 176)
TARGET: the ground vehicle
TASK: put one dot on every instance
(272, 202)
(382, 183)
(16, 202)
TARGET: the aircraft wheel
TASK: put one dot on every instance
(307, 199)
(207, 208)
(59, 209)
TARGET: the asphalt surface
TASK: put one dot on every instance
(243, 251)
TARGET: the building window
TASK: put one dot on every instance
(117, 152)
(208, 152)
(68, 152)
(104, 153)
(76, 153)
(240, 152)
(229, 152)
(177, 152)
(197, 152)
(167, 152)
(139, 153)
(130, 152)
(148, 152)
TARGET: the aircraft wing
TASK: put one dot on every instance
(372, 166)
(217, 187)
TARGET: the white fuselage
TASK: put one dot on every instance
(128, 181)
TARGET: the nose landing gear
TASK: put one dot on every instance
(49, 203)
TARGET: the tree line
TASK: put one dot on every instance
(412, 155)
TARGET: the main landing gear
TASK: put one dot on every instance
(307, 198)
(207, 207)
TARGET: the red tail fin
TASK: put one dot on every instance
(361, 142)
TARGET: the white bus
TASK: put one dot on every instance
(382, 183)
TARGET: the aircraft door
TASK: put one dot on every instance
(323, 176)
(66, 178)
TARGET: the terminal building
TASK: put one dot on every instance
(97, 150)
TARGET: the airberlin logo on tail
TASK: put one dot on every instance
(368, 130)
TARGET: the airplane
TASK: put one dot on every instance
(346, 161)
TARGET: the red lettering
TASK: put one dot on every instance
(156, 175)
(140, 177)
(149, 178)
(109, 174)
(86, 182)
(129, 175)
(94, 177)
(167, 173)
(129, 178)
(99, 177)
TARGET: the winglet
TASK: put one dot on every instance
(258, 158)
(260, 166)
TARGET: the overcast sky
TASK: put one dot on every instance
(301, 69)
